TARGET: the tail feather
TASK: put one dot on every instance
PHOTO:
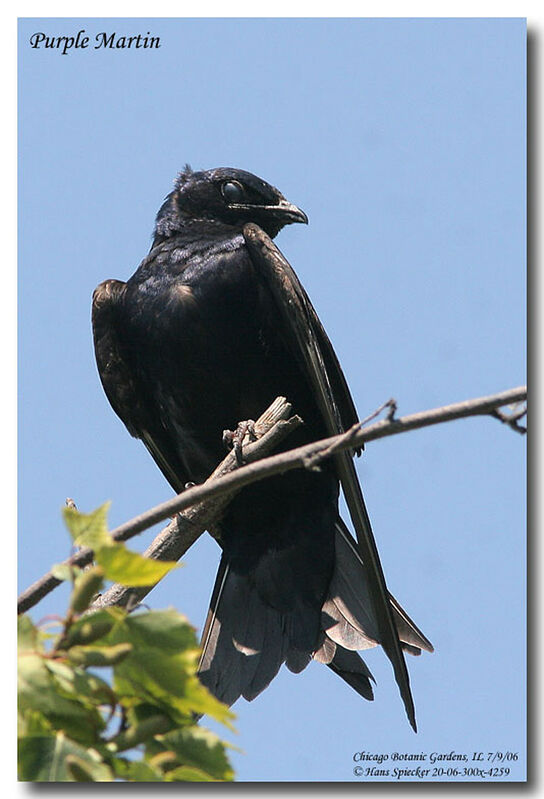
(349, 593)
(341, 629)
(352, 668)
(270, 659)
(408, 632)
(243, 644)
(221, 661)
(297, 660)
(246, 640)
(349, 587)
(326, 651)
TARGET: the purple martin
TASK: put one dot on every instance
(211, 328)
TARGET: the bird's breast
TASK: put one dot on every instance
(202, 333)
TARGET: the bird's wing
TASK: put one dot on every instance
(121, 383)
(311, 346)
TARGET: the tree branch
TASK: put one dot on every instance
(227, 479)
(274, 424)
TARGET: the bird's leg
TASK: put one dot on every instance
(233, 439)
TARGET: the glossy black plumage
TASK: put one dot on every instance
(212, 327)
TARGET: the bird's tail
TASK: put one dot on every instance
(243, 645)
(245, 640)
(349, 621)
(348, 613)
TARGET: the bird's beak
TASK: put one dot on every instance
(285, 212)
(289, 212)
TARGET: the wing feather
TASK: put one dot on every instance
(115, 373)
(120, 382)
(309, 344)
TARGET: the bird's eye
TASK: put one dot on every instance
(232, 191)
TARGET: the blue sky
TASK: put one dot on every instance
(404, 142)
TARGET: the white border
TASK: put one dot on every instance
(280, 8)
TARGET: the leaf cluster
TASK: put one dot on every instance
(135, 720)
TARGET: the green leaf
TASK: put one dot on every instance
(128, 568)
(140, 732)
(92, 627)
(162, 667)
(33, 723)
(201, 701)
(163, 760)
(87, 584)
(166, 630)
(38, 691)
(99, 655)
(119, 563)
(27, 635)
(44, 759)
(199, 748)
(64, 572)
(88, 529)
(78, 770)
(135, 770)
(187, 774)
(88, 688)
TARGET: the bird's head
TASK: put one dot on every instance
(227, 196)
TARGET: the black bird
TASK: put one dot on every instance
(212, 327)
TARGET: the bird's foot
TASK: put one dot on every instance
(233, 439)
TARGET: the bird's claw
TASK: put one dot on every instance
(233, 439)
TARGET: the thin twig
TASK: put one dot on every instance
(231, 481)
(512, 419)
(339, 442)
